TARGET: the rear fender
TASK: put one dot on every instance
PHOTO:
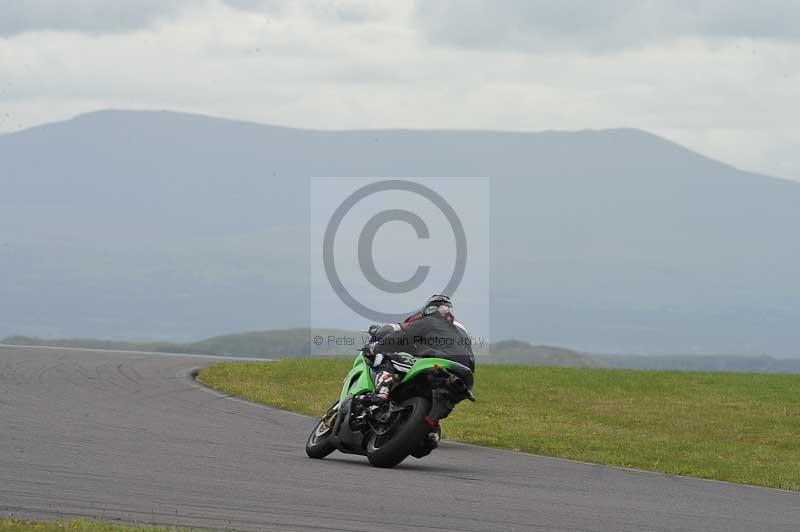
(443, 398)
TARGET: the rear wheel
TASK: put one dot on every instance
(402, 435)
(318, 444)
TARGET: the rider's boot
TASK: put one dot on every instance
(384, 382)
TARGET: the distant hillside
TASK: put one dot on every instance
(298, 343)
(133, 224)
(91, 343)
(519, 352)
(289, 343)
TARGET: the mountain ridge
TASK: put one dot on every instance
(296, 343)
(101, 114)
(122, 224)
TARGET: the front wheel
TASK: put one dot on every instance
(403, 435)
(318, 444)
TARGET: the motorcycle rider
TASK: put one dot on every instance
(431, 332)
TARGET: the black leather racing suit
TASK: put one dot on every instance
(432, 336)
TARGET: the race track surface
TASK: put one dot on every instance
(132, 437)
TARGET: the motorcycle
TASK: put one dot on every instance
(407, 425)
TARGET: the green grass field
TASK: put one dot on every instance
(78, 525)
(737, 427)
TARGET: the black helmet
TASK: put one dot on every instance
(434, 302)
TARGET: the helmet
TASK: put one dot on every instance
(433, 303)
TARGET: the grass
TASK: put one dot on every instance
(738, 427)
(78, 525)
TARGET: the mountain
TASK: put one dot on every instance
(125, 224)
(519, 352)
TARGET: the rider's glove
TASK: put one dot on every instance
(368, 352)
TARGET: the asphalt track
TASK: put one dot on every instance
(130, 436)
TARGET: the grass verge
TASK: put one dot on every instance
(737, 427)
(79, 525)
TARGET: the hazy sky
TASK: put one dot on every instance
(721, 77)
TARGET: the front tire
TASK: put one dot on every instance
(318, 444)
(391, 448)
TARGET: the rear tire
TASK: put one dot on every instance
(318, 444)
(405, 437)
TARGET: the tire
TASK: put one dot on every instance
(318, 444)
(391, 449)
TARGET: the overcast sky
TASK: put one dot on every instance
(720, 77)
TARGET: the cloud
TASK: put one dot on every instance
(274, 6)
(89, 16)
(301, 64)
(113, 16)
(344, 11)
(592, 25)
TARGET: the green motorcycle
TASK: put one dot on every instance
(408, 425)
